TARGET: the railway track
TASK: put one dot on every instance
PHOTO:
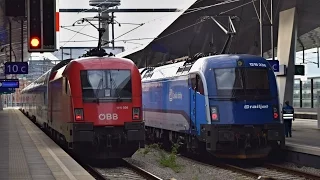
(122, 170)
(271, 172)
(267, 171)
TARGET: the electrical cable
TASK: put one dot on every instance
(199, 9)
(195, 10)
(77, 32)
(75, 25)
(127, 32)
(122, 40)
(179, 30)
(210, 6)
(237, 7)
(203, 21)
(80, 41)
(240, 23)
(81, 33)
(82, 28)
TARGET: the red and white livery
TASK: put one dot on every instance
(91, 105)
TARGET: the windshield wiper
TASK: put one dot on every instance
(98, 90)
(257, 93)
(233, 95)
(114, 86)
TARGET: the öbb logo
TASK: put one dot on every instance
(108, 117)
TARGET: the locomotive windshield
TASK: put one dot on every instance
(106, 84)
(242, 82)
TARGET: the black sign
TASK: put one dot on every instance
(299, 70)
(7, 90)
(16, 68)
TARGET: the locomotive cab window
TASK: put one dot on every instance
(66, 85)
(244, 83)
(196, 84)
(106, 84)
(200, 85)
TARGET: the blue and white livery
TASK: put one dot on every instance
(226, 104)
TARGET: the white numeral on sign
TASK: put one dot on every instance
(258, 64)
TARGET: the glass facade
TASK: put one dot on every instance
(305, 93)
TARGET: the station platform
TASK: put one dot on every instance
(306, 115)
(26, 153)
(305, 137)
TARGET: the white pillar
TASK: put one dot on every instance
(1, 103)
(318, 107)
(287, 37)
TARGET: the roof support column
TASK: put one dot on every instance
(287, 38)
(1, 103)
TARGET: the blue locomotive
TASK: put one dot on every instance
(227, 105)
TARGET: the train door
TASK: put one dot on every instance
(192, 89)
(196, 101)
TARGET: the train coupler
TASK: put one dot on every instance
(119, 140)
(247, 141)
(109, 144)
(181, 140)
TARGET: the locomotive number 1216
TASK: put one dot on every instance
(108, 117)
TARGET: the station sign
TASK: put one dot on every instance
(7, 90)
(16, 68)
(274, 64)
(9, 83)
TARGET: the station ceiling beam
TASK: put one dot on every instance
(120, 10)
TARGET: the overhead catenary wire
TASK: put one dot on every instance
(195, 10)
(204, 20)
(82, 27)
(187, 12)
(122, 40)
(78, 32)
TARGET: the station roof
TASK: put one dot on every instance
(15, 37)
(189, 35)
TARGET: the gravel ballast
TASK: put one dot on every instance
(302, 168)
(186, 169)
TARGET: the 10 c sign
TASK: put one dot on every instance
(16, 67)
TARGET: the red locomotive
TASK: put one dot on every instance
(90, 105)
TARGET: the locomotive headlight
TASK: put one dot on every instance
(214, 114)
(78, 114)
(136, 113)
(275, 113)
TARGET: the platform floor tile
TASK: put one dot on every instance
(27, 153)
